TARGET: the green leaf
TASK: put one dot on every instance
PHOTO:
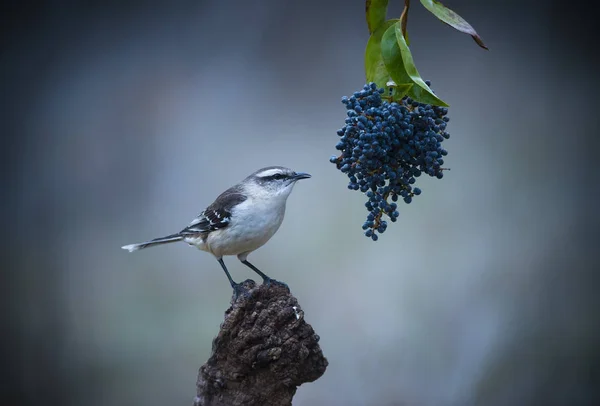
(452, 19)
(401, 67)
(376, 11)
(375, 69)
(399, 91)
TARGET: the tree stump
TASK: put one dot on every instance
(263, 352)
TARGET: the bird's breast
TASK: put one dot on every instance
(252, 225)
(256, 219)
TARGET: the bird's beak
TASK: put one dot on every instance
(301, 175)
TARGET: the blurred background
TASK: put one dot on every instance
(121, 121)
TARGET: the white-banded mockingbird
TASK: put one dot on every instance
(240, 220)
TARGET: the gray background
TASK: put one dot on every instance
(123, 121)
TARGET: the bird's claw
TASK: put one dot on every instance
(270, 281)
(238, 290)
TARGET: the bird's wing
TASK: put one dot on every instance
(217, 215)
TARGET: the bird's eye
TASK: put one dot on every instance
(276, 176)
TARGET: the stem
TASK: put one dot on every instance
(404, 19)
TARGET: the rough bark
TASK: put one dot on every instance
(263, 352)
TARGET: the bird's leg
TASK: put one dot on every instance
(233, 284)
(236, 286)
(266, 279)
(258, 271)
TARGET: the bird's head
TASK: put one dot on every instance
(274, 181)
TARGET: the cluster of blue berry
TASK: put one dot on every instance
(386, 145)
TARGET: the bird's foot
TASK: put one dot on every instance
(242, 289)
(238, 290)
(269, 281)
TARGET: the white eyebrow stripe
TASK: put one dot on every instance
(269, 172)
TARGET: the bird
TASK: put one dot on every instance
(240, 220)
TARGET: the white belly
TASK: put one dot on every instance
(248, 230)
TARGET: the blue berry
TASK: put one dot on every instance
(385, 146)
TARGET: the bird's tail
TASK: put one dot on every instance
(157, 241)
